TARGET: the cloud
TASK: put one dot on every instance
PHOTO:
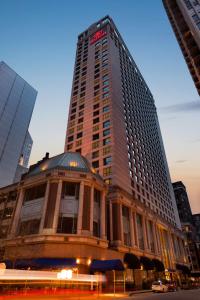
(181, 161)
(182, 107)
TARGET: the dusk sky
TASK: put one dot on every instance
(38, 40)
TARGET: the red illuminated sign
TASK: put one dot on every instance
(97, 36)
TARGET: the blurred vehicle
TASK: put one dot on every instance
(159, 286)
(171, 286)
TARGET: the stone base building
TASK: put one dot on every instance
(62, 209)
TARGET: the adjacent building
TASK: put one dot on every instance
(187, 223)
(184, 16)
(196, 222)
(17, 100)
(113, 121)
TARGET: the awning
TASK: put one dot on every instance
(159, 266)
(183, 268)
(195, 274)
(132, 261)
(147, 263)
(45, 263)
(106, 265)
(8, 263)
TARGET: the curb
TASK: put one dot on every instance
(139, 292)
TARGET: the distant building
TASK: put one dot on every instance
(17, 100)
(184, 16)
(196, 222)
(22, 166)
(182, 201)
(186, 219)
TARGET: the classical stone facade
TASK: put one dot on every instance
(63, 209)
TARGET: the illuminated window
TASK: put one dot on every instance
(73, 164)
(107, 171)
(106, 150)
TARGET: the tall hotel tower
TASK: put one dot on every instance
(114, 124)
(184, 16)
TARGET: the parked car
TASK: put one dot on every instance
(171, 286)
(159, 286)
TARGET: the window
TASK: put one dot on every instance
(105, 77)
(96, 113)
(106, 150)
(95, 154)
(80, 120)
(106, 132)
(106, 141)
(69, 147)
(95, 164)
(105, 95)
(96, 76)
(105, 89)
(97, 44)
(106, 108)
(107, 160)
(79, 135)
(7, 212)
(29, 227)
(96, 106)
(70, 138)
(96, 87)
(107, 171)
(108, 181)
(106, 124)
(95, 137)
(106, 82)
(95, 121)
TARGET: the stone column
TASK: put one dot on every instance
(102, 216)
(91, 209)
(111, 221)
(131, 228)
(121, 223)
(157, 238)
(144, 233)
(57, 206)
(44, 207)
(154, 238)
(171, 250)
(136, 229)
(17, 213)
(80, 208)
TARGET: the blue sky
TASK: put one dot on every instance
(38, 40)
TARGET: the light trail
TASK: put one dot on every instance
(8, 274)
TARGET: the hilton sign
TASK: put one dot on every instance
(97, 36)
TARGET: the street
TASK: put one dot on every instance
(180, 295)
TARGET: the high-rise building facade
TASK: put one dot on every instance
(113, 120)
(17, 100)
(183, 204)
(187, 223)
(184, 16)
